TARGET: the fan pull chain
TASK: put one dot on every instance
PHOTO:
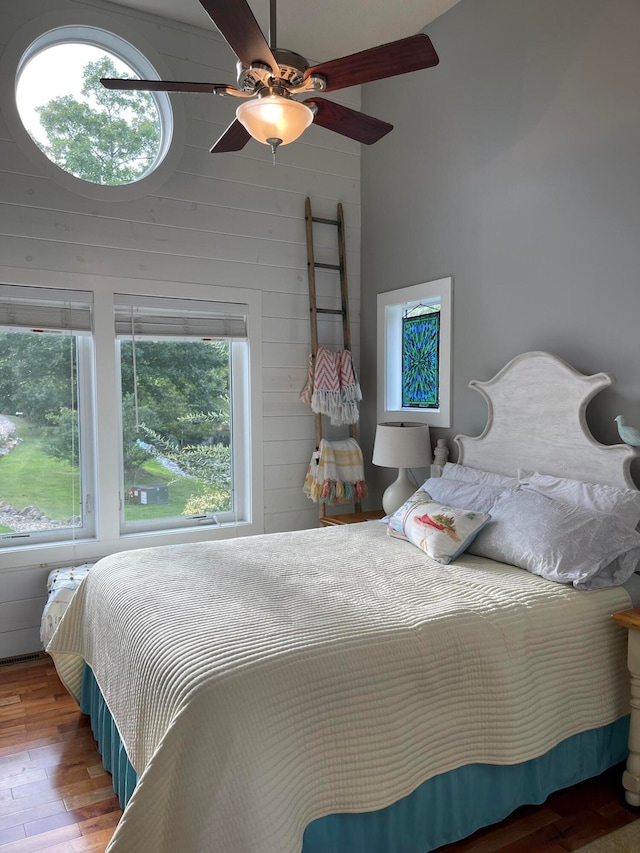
(273, 141)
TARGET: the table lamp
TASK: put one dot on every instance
(401, 446)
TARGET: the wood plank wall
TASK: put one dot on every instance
(231, 219)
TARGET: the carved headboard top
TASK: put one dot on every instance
(537, 421)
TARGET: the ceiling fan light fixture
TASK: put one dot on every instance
(273, 117)
(270, 76)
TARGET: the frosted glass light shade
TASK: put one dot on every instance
(274, 117)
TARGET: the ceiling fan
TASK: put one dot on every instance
(269, 77)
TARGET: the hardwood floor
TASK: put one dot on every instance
(55, 797)
(568, 820)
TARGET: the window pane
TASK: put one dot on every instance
(176, 429)
(420, 360)
(40, 476)
(102, 136)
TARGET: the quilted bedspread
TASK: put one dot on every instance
(263, 682)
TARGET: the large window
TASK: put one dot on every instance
(46, 474)
(179, 450)
(161, 384)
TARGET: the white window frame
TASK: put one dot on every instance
(153, 65)
(108, 539)
(240, 397)
(391, 308)
(47, 297)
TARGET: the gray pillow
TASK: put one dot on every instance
(625, 503)
(559, 542)
(473, 496)
(453, 471)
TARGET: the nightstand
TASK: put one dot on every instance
(351, 517)
(630, 619)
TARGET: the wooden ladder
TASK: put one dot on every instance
(343, 311)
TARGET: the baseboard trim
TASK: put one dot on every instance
(23, 658)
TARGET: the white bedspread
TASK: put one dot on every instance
(263, 682)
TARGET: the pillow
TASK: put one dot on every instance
(443, 532)
(559, 542)
(625, 503)
(453, 471)
(474, 496)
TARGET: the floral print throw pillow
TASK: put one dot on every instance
(443, 532)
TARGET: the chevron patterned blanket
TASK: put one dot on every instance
(332, 387)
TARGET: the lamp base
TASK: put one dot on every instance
(398, 492)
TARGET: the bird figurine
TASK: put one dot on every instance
(630, 435)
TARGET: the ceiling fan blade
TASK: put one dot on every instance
(234, 138)
(348, 122)
(386, 60)
(236, 22)
(161, 86)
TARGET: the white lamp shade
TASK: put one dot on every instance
(402, 445)
(274, 117)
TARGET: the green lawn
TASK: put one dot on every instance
(28, 477)
(180, 490)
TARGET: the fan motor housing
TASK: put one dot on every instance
(291, 67)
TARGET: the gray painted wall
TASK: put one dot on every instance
(514, 167)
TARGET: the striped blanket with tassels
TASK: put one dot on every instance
(336, 473)
(332, 387)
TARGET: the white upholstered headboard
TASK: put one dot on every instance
(536, 421)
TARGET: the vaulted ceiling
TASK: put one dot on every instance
(320, 30)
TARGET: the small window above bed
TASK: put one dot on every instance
(414, 353)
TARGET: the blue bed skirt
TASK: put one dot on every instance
(444, 809)
(114, 757)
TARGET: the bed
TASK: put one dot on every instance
(340, 690)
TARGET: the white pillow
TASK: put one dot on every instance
(474, 496)
(560, 542)
(453, 471)
(442, 532)
(625, 503)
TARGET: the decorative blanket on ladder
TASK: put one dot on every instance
(332, 387)
(336, 473)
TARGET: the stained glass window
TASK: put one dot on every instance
(420, 359)
(414, 353)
